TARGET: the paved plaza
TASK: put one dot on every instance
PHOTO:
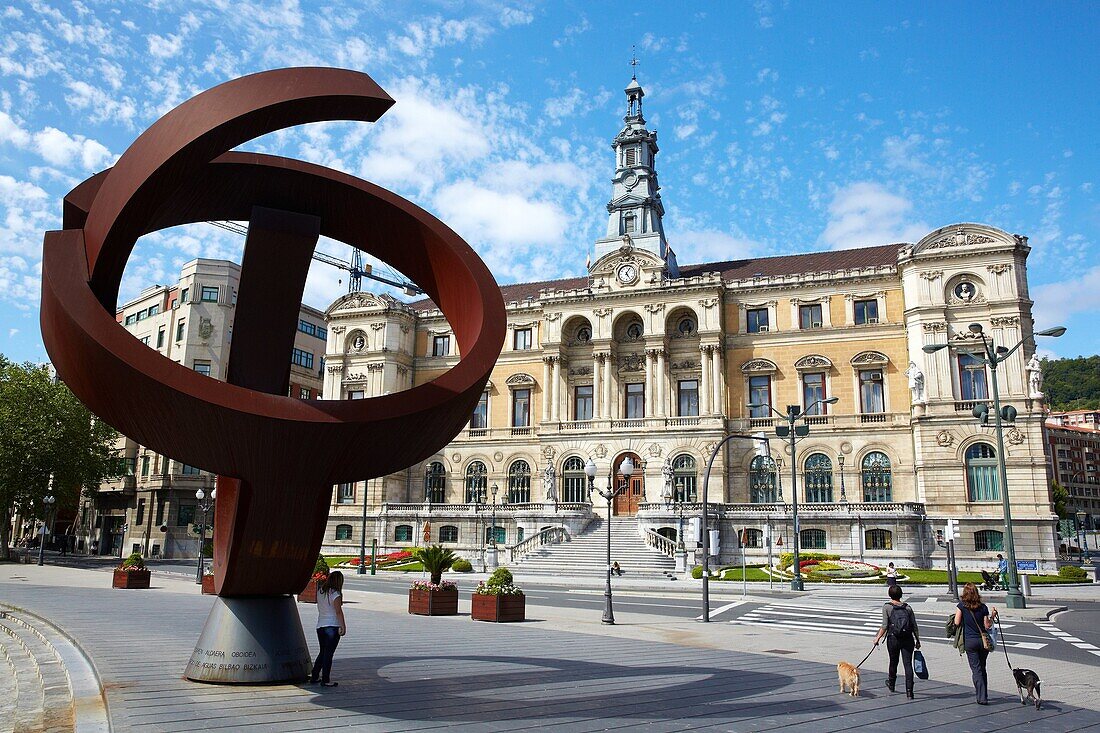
(561, 669)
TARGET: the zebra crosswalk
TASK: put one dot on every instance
(1068, 638)
(864, 620)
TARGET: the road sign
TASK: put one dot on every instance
(1031, 565)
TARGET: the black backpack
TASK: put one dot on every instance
(901, 622)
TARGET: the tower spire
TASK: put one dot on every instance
(634, 63)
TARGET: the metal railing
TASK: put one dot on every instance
(471, 508)
(548, 536)
(908, 508)
(659, 542)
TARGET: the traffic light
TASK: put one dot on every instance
(951, 529)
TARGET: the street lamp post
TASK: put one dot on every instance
(994, 356)
(493, 532)
(479, 499)
(626, 469)
(1084, 536)
(676, 498)
(362, 569)
(48, 501)
(793, 432)
(205, 505)
(840, 467)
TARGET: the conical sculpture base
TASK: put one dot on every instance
(256, 640)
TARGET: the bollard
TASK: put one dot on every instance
(373, 556)
(1025, 585)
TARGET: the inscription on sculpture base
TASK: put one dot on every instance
(256, 640)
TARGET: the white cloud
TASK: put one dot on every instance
(56, 147)
(865, 214)
(486, 215)
(1058, 301)
(164, 47)
(711, 245)
(12, 332)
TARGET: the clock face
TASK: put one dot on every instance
(630, 180)
(627, 274)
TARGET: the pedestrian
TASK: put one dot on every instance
(95, 547)
(330, 626)
(891, 575)
(899, 626)
(1002, 571)
(976, 619)
(615, 569)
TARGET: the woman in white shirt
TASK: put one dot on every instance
(330, 626)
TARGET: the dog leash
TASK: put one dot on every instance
(1001, 633)
(873, 646)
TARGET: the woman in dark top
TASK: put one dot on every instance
(899, 626)
(975, 618)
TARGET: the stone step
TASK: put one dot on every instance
(57, 701)
(29, 708)
(586, 554)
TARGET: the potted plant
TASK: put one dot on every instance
(132, 573)
(498, 599)
(208, 582)
(320, 574)
(436, 597)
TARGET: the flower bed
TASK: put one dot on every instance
(431, 599)
(383, 560)
(131, 573)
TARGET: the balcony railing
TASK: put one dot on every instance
(896, 508)
(444, 508)
(967, 405)
(872, 417)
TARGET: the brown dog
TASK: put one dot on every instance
(848, 674)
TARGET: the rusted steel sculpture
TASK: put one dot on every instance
(276, 457)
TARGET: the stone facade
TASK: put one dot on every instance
(1075, 464)
(646, 358)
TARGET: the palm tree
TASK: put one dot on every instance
(436, 559)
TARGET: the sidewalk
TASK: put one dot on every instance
(561, 669)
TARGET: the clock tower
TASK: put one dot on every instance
(635, 209)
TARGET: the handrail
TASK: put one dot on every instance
(548, 536)
(659, 542)
(869, 507)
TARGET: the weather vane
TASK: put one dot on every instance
(634, 62)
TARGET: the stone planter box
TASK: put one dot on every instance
(131, 579)
(309, 593)
(497, 608)
(208, 585)
(433, 602)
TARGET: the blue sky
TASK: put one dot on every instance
(783, 127)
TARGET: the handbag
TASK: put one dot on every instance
(920, 667)
(987, 642)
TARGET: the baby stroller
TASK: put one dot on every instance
(991, 582)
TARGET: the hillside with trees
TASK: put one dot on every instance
(1072, 384)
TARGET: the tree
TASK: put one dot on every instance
(49, 443)
(1060, 497)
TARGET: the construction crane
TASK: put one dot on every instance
(357, 269)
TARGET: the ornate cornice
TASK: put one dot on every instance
(759, 365)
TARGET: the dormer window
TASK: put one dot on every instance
(631, 156)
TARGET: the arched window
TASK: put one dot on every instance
(403, 533)
(475, 482)
(879, 539)
(343, 531)
(876, 478)
(818, 479)
(988, 540)
(667, 532)
(981, 473)
(574, 484)
(762, 481)
(448, 533)
(435, 483)
(753, 538)
(519, 535)
(684, 478)
(812, 539)
(519, 483)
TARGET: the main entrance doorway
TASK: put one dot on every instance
(626, 502)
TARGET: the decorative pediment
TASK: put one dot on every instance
(521, 379)
(870, 358)
(754, 366)
(813, 361)
(964, 236)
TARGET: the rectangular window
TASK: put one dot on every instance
(160, 512)
(441, 346)
(209, 294)
(356, 394)
(688, 391)
(185, 515)
(972, 377)
(521, 339)
(189, 470)
(809, 316)
(582, 402)
(813, 389)
(312, 329)
(145, 465)
(145, 340)
(185, 295)
(160, 338)
(760, 394)
(403, 533)
(130, 320)
(480, 419)
(302, 358)
(303, 393)
(870, 391)
(179, 330)
(154, 309)
(635, 400)
(756, 320)
(140, 519)
(202, 367)
(628, 224)
(142, 315)
(345, 494)
(521, 408)
(866, 311)
(631, 156)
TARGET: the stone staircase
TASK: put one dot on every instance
(586, 554)
(46, 683)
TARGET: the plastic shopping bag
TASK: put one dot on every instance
(920, 667)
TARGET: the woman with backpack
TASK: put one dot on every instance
(975, 619)
(899, 626)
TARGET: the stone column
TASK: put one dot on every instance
(555, 391)
(662, 385)
(704, 385)
(650, 359)
(597, 387)
(716, 379)
(546, 389)
(608, 384)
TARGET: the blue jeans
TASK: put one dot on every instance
(327, 639)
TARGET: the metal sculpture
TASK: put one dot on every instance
(276, 457)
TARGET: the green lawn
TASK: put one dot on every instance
(410, 567)
(752, 574)
(337, 559)
(939, 577)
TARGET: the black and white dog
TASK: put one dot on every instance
(1027, 681)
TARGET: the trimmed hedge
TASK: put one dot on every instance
(1072, 572)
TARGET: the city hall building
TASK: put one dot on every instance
(649, 360)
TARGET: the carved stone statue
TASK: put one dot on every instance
(1034, 377)
(666, 472)
(550, 483)
(916, 382)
